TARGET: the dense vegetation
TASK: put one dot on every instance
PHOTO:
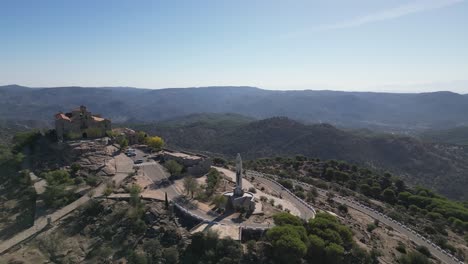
(426, 211)
(321, 240)
(457, 135)
(16, 191)
(60, 189)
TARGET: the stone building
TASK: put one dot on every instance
(130, 134)
(80, 123)
(195, 165)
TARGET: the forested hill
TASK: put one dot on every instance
(384, 111)
(457, 135)
(441, 167)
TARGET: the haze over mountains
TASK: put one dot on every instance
(384, 111)
(434, 165)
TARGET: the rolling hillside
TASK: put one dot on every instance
(441, 167)
(457, 135)
(382, 111)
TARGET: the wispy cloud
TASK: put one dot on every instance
(392, 13)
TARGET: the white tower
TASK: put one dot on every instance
(238, 190)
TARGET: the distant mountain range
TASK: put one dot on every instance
(437, 166)
(382, 111)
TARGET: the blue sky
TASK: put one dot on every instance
(358, 45)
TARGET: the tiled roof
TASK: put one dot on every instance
(62, 116)
(98, 119)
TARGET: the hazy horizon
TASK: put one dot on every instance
(229, 86)
(379, 46)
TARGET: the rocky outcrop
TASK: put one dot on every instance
(94, 156)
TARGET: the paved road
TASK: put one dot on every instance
(306, 210)
(124, 167)
(154, 171)
(435, 250)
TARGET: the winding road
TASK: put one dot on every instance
(435, 250)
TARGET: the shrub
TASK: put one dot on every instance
(423, 250)
(252, 190)
(173, 167)
(371, 227)
(79, 180)
(57, 177)
(343, 208)
(92, 180)
(57, 196)
(272, 201)
(376, 222)
(171, 255)
(413, 258)
(401, 247)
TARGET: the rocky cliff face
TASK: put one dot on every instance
(91, 156)
(94, 156)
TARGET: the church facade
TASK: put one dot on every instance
(80, 123)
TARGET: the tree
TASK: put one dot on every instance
(386, 181)
(365, 189)
(413, 258)
(57, 177)
(190, 185)
(153, 250)
(329, 174)
(316, 250)
(122, 141)
(403, 197)
(219, 161)
(423, 250)
(284, 218)
(171, 255)
(212, 180)
(286, 184)
(389, 196)
(156, 143)
(166, 201)
(56, 196)
(400, 185)
(220, 201)
(141, 137)
(173, 167)
(135, 191)
(334, 253)
(287, 244)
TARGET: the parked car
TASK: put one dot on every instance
(139, 161)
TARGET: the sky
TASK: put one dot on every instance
(350, 45)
